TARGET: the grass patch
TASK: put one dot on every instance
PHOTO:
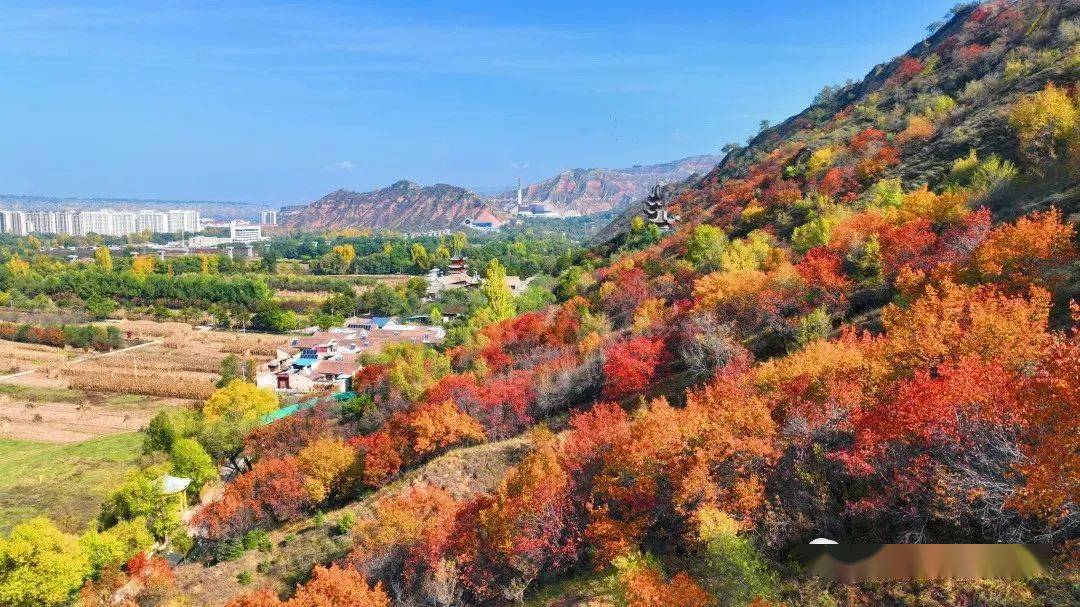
(120, 401)
(67, 483)
(42, 395)
(592, 587)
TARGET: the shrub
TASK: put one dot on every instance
(244, 577)
(228, 550)
(345, 523)
(258, 539)
(738, 573)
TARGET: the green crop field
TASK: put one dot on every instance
(65, 482)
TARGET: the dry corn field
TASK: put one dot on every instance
(253, 345)
(15, 357)
(149, 382)
(162, 359)
(65, 395)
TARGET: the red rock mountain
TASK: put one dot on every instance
(404, 206)
(598, 190)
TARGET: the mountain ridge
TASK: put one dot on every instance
(410, 207)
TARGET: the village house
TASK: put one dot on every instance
(330, 358)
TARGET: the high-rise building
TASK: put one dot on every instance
(96, 222)
(183, 221)
(15, 222)
(124, 223)
(67, 222)
(269, 218)
(156, 222)
(44, 222)
(106, 222)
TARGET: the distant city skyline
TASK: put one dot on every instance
(278, 103)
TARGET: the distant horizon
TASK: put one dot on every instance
(281, 102)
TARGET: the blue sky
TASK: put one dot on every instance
(281, 102)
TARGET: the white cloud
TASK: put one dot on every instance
(345, 165)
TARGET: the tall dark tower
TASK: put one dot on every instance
(656, 211)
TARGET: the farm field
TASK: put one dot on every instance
(58, 395)
(70, 420)
(65, 482)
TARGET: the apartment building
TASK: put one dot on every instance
(183, 221)
(156, 222)
(106, 222)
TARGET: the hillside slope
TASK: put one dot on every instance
(858, 332)
(979, 71)
(463, 473)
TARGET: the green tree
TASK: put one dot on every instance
(813, 326)
(737, 573)
(705, 246)
(458, 242)
(188, 459)
(116, 545)
(500, 304)
(868, 265)
(141, 497)
(420, 256)
(324, 321)
(40, 566)
(167, 427)
(813, 233)
(228, 369)
(101, 307)
(538, 295)
(272, 317)
(269, 261)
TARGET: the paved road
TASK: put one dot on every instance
(85, 358)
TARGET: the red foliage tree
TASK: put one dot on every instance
(908, 68)
(822, 270)
(524, 529)
(935, 408)
(289, 435)
(338, 587)
(271, 492)
(381, 458)
(623, 293)
(630, 365)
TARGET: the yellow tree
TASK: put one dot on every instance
(420, 256)
(40, 566)
(458, 242)
(240, 398)
(500, 299)
(142, 265)
(18, 266)
(103, 258)
(347, 254)
(1043, 118)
